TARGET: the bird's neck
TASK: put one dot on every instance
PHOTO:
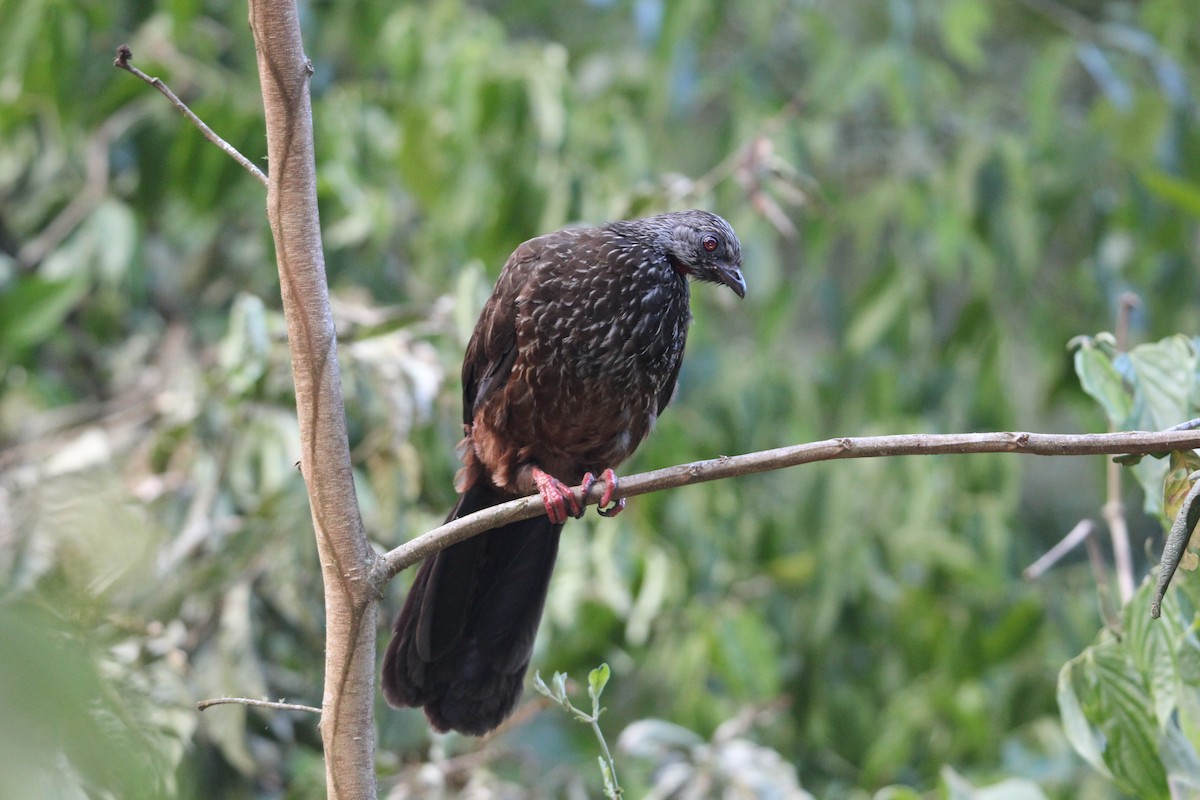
(680, 268)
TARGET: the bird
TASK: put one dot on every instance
(575, 354)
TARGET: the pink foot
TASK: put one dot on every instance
(610, 486)
(558, 498)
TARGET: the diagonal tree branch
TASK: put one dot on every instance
(1043, 444)
(125, 55)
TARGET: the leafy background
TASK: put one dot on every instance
(934, 197)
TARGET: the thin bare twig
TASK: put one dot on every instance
(246, 701)
(1114, 508)
(1082, 530)
(1045, 444)
(1082, 533)
(739, 155)
(124, 54)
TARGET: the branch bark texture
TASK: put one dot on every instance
(916, 444)
(351, 602)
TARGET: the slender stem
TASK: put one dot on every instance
(124, 55)
(1082, 530)
(246, 701)
(594, 721)
(557, 692)
(1082, 533)
(1114, 509)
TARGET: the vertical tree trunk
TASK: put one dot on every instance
(347, 724)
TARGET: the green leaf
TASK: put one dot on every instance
(1184, 195)
(34, 308)
(1013, 632)
(964, 23)
(231, 664)
(1188, 709)
(745, 654)
(1150, 645)
(1105, 713)
(956, 787)
(1181, 760)
(245, 349)
(1163, 374)
(606, 775)
(876, 315)
(897, 793)
(70, 716)
(1080, 732)
(1122, 716)
(113, 228)
(1177, 484)
(597, 680)
(1101, 380)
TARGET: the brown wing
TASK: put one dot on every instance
(492, 351)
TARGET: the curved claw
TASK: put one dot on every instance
(613, 510)
(610, 486)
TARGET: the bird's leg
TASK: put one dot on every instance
(610, 486)
(558, 498)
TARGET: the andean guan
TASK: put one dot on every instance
(574, 356)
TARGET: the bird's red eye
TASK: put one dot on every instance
(709, 243)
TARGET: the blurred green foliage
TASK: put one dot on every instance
(934, 197)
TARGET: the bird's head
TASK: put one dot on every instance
(704, 246)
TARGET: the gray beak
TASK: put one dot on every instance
(732, 277)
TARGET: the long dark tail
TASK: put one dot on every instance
(462, 642)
